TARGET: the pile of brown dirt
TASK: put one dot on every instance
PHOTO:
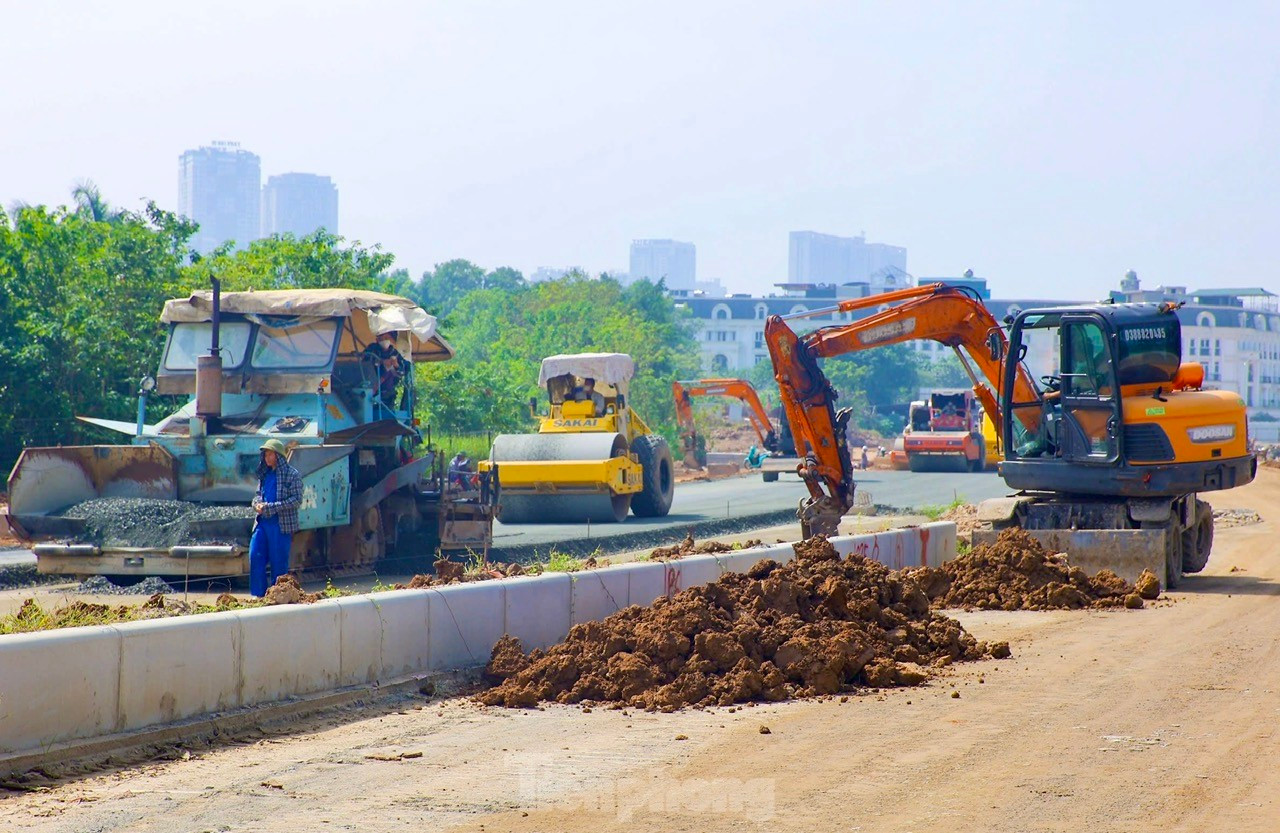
(1017, 573)
(451, 572)
(691, 547)
(965, 517)
(287, 591)
(817, 625)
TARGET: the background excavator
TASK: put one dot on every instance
(693, 446)
(776, 440)
(1107, 450)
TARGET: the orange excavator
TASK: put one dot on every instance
(695, 453)
(1107, 449)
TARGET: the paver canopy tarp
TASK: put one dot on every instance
(370, 313)
(615, 369)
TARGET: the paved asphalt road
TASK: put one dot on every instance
(738, 497)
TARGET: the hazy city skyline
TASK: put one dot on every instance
(1042, 146)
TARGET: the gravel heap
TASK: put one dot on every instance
(101, 586)
(1016, 573)
(817, 625)
(146, 522)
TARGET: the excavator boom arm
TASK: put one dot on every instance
(949, 315)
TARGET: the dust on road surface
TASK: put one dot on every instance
(1157, 719)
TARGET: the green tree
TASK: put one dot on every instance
(502, 335)
(79, 299)
(313, 261)
(443, 287)
(90, 203)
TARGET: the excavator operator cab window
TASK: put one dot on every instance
(1090, 409)
(1086, 360)
(1076, 412)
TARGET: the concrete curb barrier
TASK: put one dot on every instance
(66, 685)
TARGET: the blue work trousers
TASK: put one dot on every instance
(268, 546)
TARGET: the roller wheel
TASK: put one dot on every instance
(654, 500)
(1197, 539)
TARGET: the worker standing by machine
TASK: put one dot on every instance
(276, 502)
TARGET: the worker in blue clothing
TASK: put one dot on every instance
(279, 495)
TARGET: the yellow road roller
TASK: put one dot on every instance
(593, 458)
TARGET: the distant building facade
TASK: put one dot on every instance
(299, 204)
(816, 258)
(672, 260)
(219, 187)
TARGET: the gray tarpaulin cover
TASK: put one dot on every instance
(614, 369)
(370, 313)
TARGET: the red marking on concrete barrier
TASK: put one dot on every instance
(924, 546)
(673, 580)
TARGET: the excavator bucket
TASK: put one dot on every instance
(1125, 552)
(45, 481)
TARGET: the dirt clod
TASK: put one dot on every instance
(1017, 573)
(448, 571)
(817, 625)
(287, 591)
(764, 730)
(1133, 601)
(691, 547)
(1147, 585)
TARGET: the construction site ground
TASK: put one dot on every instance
(1159, 719)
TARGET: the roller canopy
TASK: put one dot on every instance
(615, 369)
(370, 312)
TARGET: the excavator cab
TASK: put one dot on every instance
(1113, 412)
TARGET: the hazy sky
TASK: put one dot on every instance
(1049, 146)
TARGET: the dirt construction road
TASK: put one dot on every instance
(1160, 719)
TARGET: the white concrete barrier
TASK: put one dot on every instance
(287, 650)
(403, 619)
(361, 634)
(463, 623)
(170, 671)
(64, 685)
(919, 546)
(58, 685)
(693, 571)
(596, 594)
(646, 581)
(538, 609)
